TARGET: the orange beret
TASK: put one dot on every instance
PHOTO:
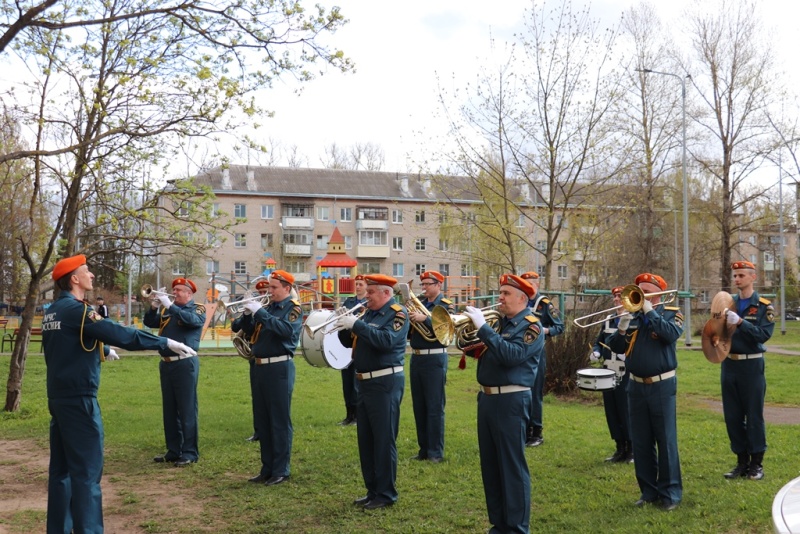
(741, 264)
(359, 277)
(520, 283)
(530, 275)
(283, 276)
(185, 282)
(436, 275)
(651, 279)
(617, 289)
(262, 284)
(67, 265)
(379, 280)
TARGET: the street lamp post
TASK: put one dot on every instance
(686, 283)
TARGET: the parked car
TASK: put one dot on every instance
(791, 317)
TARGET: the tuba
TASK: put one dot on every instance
(413, 304)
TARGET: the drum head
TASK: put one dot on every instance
(591, 372)
(324, 348)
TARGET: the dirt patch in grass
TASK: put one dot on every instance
(776, 415)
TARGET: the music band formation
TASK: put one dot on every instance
(366, 340)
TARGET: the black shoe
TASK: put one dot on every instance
(534, 442)
(164, 459)
(617, 457)
(274, 481)
(254, 437)
(668, 506)
(419, 457)
(258, 479)
(740, 470)
(362, 501)
(642, 502)
(374, 504)
(183, 462)
(436, 459)
(755, 472)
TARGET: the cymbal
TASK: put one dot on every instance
(716, 336)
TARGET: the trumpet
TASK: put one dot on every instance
(459, 328)
(312, 330)
(632, 298)
(149, 293)
(235, 309)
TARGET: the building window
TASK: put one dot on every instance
(444, 268)
(419, 216)
(183, 210)
(182, 267)
(212, 267)
(296, 266)
(266, 241)
(704, 296)
(521, 221)
(540, 271)
(369, 267)
(322, 242)
(466, 270)
(397, 216)
(297, 237)
(373, 214)
(419, 244)
(541, 246)
(562, 272)
(561, 221)
(560, 246)
(768, 257)
(751, 240)
(212, 240)
(215, 210)
(346, 214)
(348, 242)
(267, 211)
(444, 245)
(419, 269)
(397, 243)
(240, 240)
(323, 213)
(240, 211)
(240, 267)
(397, 270)
(443, 218)
(296, 210)
(373, 238)
(753, 258)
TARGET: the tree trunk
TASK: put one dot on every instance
(20, 353)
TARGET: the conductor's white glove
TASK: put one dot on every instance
(164, 301)
(476, 316)
(112, 355)
(180, 349)
(252, 306)
(647, 306)
(341, 310)
(624, 322)
(732, 317)
(594, 356)
(346, 322)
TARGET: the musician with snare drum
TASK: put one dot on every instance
(275, 336)
(378, 339)
(245, 324)
(349, 382)
(615, 401)
(428, 368)
(648, 339)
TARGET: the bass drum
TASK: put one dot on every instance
(324, 349)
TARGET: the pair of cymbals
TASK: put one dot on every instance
(717, 333)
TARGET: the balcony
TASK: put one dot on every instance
(301, 277)
(290, 249)
(372, 224)
(372, 251)
(298, 223)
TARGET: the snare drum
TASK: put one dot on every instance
(324, 349)
(596, 379)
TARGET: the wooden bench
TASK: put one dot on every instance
(11, 338)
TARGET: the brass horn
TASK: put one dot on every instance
(149, 293)
(459, 328)
(632, 298)
(312, 330)
(235, 309)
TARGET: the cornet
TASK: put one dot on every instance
(149, 293)
(312, 330)
(632, 298)
(235, 309)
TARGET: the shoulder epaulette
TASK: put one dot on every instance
(397, 307)
(447, 301)
(672, 308)
(296, 302)
(532, 318)
(764, 301)
(546, 300)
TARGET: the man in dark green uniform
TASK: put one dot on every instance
(72, 338)
(349, 382)
(378, 339)
(429, 371)
(648, 339)
(506, 373)
(552, 326)
(742, 376)
(181, 320)
(277, 331)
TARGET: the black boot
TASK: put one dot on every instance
(619, 454)
(346, 420)
(741, 468)
(353, 419)
(628, 458)
(755, 471)
(534, 437)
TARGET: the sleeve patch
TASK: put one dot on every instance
(200, 309)
(679, 319)
(296, 313)
(554, 311)
(770, 315)
(531, 334)
(399, 320)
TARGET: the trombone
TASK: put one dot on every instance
(312, 330)
(632, 298)
(149, 293)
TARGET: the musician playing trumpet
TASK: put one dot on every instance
(245, 324)
(349, 382)
(428, 370)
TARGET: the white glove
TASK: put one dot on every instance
(180, 349)
(624, 322)
(341, 310)
(647, 306)
(346, 322)
(252, 306)
(621, 357)
(476, 316)
(155, 304)
(164, 301)
(112, 355)
(732, 317)
(594, 356)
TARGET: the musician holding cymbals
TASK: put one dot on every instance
(506, 373)
(275, 336)
(378, 339)
(648, 337)
(428, 370)
(742, 376)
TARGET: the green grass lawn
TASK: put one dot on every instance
(573, 489)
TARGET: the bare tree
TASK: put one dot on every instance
(367, 156)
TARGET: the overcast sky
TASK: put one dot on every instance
(401, 48)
